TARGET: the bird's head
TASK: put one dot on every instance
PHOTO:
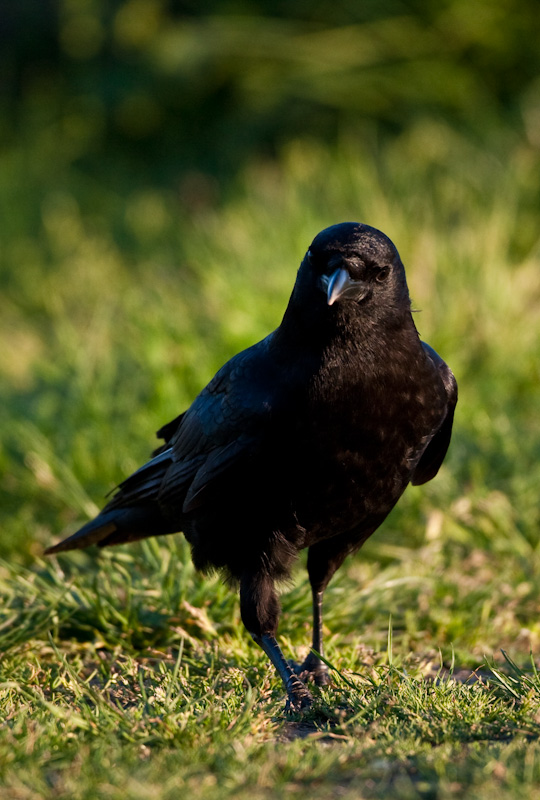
(352, 263)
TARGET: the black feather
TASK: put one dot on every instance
(306, 439)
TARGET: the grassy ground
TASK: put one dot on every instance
(125, 673)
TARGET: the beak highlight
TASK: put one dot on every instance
(340, 284)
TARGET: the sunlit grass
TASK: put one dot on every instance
(125, 673)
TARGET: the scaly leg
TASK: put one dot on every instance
(324, 558)
(259, 607)
(313, 667)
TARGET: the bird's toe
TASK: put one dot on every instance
(299, 698)
(308, 670)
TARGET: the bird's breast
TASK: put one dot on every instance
(359, 445)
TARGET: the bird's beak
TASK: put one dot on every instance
(340, 284)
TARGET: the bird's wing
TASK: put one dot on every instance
(226, 423)
(434, 454)
(166, 432)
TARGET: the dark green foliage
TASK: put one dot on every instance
(132, 90)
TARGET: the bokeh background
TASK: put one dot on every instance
(164, 166)
(163, 169)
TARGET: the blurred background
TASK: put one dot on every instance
(163, 168)
(154, 92)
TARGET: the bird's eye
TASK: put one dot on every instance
(309, 255)
(382, 274)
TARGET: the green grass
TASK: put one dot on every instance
(127, 674)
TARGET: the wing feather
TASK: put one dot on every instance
(433, 456)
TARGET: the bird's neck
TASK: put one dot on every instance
(344, 325)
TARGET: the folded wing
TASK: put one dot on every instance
(433, 456)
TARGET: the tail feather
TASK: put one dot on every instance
(92, 533)
(116, 526)
(132, 513)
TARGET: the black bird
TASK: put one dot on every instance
(306, 439)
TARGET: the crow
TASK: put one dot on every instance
(307, 439)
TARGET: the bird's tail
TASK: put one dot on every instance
(133, 513)
(117, 526)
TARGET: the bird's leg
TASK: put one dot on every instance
(313, 667)
(298, 696)
(324, 558)
(259, 607)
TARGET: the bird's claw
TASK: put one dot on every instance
(299, 697)
(311, 670)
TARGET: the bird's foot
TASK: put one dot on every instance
(312, 669)
(299, 697)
